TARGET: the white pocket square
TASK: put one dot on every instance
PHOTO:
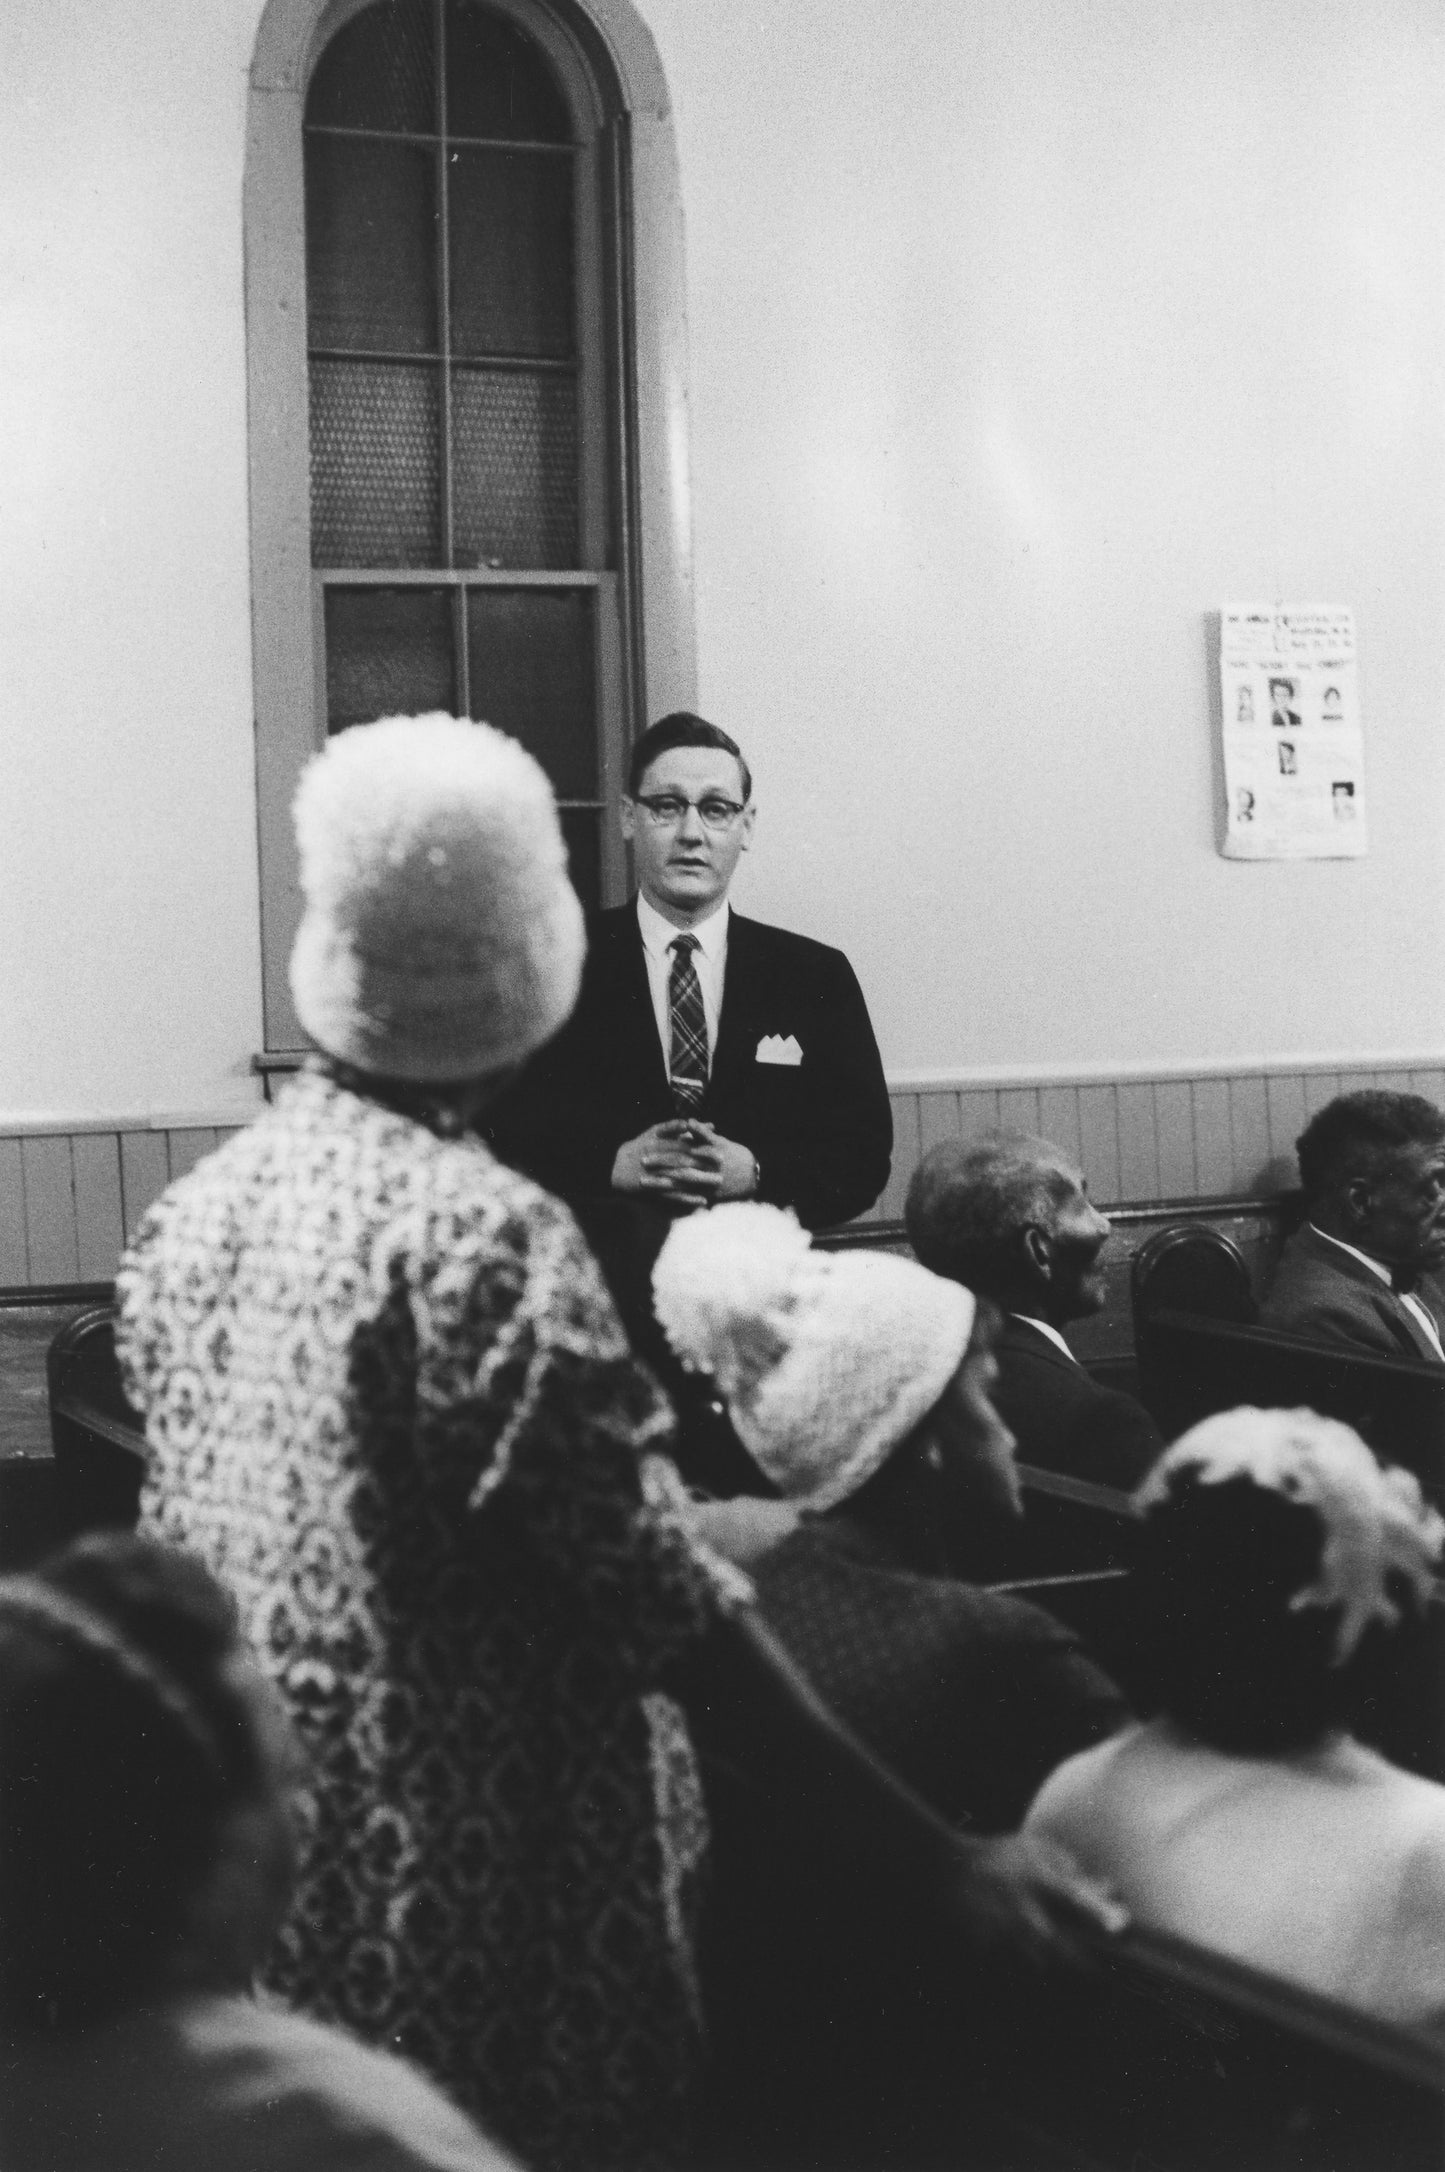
(772, 1048)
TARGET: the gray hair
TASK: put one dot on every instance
(969, 1198)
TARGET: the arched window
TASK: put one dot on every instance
(445, 207)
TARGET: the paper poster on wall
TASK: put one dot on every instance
(1293, 742)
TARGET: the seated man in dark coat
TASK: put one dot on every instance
(1010, 1216)
(1361, 1271)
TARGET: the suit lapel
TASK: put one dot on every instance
(736, 1039)
(626, 999)
(1018, 1334)
(1400, 1319)
(1420, 1342)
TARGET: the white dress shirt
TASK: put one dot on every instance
(709, 962)
(1045, 1329)
(1408, 1299)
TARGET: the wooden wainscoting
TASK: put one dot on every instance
(70, 1198)
(1142, 1141)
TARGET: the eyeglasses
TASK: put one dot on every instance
(668, 809)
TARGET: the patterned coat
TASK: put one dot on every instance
(389, 1404)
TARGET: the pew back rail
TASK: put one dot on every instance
(1191, 1366)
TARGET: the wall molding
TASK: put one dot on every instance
(23, 1125)
(1096, 1074)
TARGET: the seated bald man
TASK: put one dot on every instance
(1010, 1216)
(1361, 1272)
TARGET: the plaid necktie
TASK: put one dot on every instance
(689, 1027)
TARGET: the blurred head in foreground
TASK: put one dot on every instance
(1276, 1556)
(146, 1841)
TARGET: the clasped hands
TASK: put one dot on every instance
(684, 1162)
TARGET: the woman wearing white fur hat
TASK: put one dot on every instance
(389, 1404)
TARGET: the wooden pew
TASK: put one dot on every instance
(1191, 1366)
(1069, 1525)
(97, 1439)
(1162, 2055)
(1097, 1604)
(850, 2034)
(30, 1521)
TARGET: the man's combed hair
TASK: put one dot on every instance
(967, 1204)
(682, 729)
(1353, 1134)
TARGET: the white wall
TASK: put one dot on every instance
(1022, 336)
(129, 975)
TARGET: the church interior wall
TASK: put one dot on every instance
(1023, 337)
(130, 977)
(1020, 337)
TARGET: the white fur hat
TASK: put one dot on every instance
(827, 1360)
(441, 938)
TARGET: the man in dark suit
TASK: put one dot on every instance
(1010, 1216)
(1360, 1273)
(710, 1057)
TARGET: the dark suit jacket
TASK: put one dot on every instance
(1065, 1421)
(1322, 1294)
(822, 1130)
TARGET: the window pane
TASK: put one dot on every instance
(370, 245)
(497, 82)
(388, 653)
(514, 469)
(375, 465)
(511, 252)
(529, 656)
(379, 72)
(580, 827)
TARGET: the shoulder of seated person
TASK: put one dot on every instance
(1120, 1404)
(321, 2080)
(767, 936)
(745, 1529)
(1080, 1776)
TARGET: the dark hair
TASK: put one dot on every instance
(969, 1198)
(122, 1750)
(1222, 1651)
(682, 729)
(1355, 1133)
